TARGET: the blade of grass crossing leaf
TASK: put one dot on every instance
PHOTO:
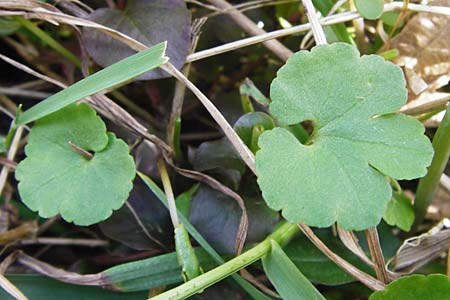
(289, 282)
(111, 76)
(250, 289)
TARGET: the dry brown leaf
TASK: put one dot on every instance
(424, 49)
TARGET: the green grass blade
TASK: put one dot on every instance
(43, 288)
(428, 185)
(111, 76)
(289, 282)
(249, 288)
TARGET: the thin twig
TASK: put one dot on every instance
(64, 242)
(377, 254)
(363, 277)
(251, 28)
(10, 156)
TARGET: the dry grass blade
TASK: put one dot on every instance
(251, 28)
(364, 278)
(11, 288)
(26, 5)
(59, 274)
(319, 34)
(349, 239)
(377, 254)
(427, 102)
(10, 156)
(26, 230)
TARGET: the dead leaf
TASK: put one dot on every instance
(424, 49)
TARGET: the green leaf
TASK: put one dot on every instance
(250, 289)
(221, 159)
(143, 210)
(339, 175)
(217, 218)
(2, 145)
(289, 282)
(150, 273)
(400, 212)
(315, 265)
(416, 287)
(370, 9)
(8, 26)
(248, 88)
(250, 126)
(149, 22)
(55, 179)
(111, 76)
(44, 288)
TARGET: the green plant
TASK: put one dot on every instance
(327, 148)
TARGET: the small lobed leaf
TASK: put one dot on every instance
(416, 287)
(149, 22)
(339, 175)
(399, 212)
(55, 179)
(370, 9)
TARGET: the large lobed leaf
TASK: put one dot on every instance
(55, 179)
(339, 175)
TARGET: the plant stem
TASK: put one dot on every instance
(282, 235)
(428, 184)
(51, 42)
(169, 193)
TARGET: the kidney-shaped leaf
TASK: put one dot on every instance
(56, 179)
(358, 138)
(149, 22)
(416, 287)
